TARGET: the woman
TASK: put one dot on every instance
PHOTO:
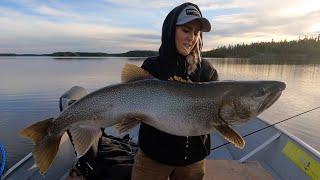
(163, 155)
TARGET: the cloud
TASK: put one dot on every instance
(43, 9)
(40, 36)
(263, 24)
(145, 4)
(122, 25)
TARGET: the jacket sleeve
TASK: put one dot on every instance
(207, 72)
(152, 65)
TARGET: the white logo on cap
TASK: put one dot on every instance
(192, 12)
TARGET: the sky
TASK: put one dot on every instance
(115, 26)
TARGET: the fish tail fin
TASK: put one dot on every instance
(46, 146)
(45, 151)
(37, 131)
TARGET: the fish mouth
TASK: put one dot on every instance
(281, 86)
(272, 97)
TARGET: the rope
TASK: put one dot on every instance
(214, 148)
(3, 158)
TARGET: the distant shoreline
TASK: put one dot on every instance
(137, 54)
(302, 48)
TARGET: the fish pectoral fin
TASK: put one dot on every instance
(83, 137)
(127, 124)
(131, 72)
(231, 135)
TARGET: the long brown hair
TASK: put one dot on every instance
(194, 58)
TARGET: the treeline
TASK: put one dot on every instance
(78, 54)
(139, 54)
(12, 54)
(308, 47)
(136, 53)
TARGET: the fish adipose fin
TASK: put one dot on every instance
(131, 72)
(179, 79)
(83, 137)
(46, 147)
(127, 124)
(231, 135)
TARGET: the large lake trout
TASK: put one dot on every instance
(178, 108)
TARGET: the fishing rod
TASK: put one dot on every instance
(214, 148)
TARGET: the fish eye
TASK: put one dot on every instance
(261, 92)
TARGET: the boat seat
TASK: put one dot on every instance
(231, 170)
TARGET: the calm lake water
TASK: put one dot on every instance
(30, 88)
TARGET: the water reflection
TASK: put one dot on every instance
(30, 87)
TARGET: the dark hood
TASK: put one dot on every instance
(171, 63)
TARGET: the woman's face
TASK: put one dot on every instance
(187, 36)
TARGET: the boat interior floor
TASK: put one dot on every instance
(231, 170)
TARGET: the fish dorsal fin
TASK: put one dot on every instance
(231, 135)
(131, 72)
(83, 137)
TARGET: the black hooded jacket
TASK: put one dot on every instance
(160, 146)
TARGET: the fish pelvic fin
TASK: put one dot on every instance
(83, 137)
(46, 146)
(231, 135)
(131, 72)
(127, 124)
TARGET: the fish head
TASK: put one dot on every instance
(246, 100)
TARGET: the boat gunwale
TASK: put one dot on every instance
(296, 139)
(15, 166)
